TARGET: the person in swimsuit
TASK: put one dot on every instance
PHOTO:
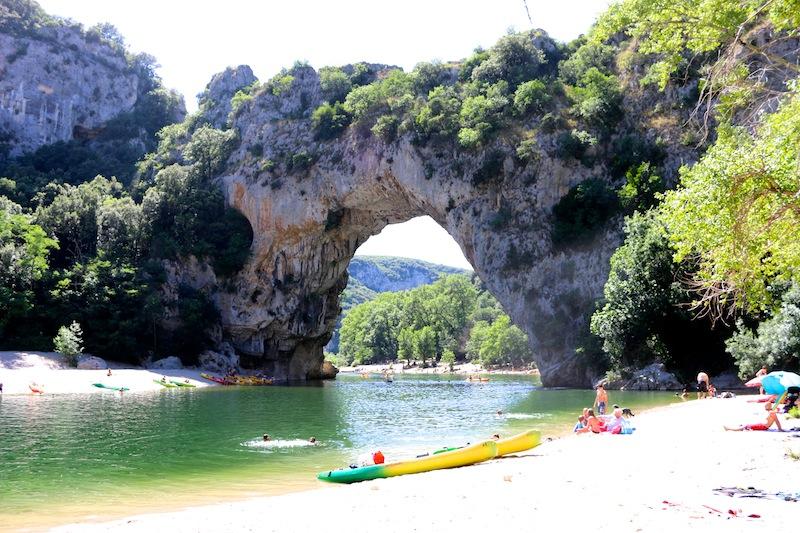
(601, 400)
(702, 385)
(593, 424)
(772, 418)
(266, 437)
(580, 425)
(761, 373)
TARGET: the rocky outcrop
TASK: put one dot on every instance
(57, 83)
(215, 101)
(91, 362)
(651, 377)
(222, 360)
(167, 363)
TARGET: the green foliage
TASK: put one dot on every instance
(587, 56)
(528, 150)
(531, 96)
(419, 324)
(598, 98)
(499, 343)
(575, 144)
(484, 113)
(640, 189)
(391, 95)
(631, 150)
(468, 66)
(329, 121)
(335, 84)
(24, 247)
(437, 119)
(427, 76)
(676, 30)
(643, 317)
(69, 343)
(514, 59)
(743, 191)
(209, 149)
(583, 211)
(776, 341)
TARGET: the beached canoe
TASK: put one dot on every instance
(35, 389)
(461, 457)
(181, 383)
(109, 387)
(519, 443)
(215, 379)
(164, 384)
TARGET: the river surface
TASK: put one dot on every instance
(95, 456)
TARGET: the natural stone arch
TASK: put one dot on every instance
(312, 204)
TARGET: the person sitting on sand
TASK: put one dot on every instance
(593, 424)
(615, 426)
(601, 400)
(108, 373)
(772, 418)
(580, 425)
(266, 437)
(712, 391)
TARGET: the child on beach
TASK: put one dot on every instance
(601, 400)
(580, 425)
(772, 418)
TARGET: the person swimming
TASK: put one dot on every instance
(312, 440)
(266, 437)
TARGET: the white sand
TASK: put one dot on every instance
(18, 370)
(661, 478)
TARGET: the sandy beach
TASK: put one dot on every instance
(18, 370)
(661, 478)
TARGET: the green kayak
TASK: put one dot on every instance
(164, 384)
(109, 387)
(181, 383)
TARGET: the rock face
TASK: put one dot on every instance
(91, 362)
(651, 377)
(167, 363)
(222, 360)
(308, 220)
(216, 99)
(57, 84)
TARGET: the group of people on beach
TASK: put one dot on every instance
(588, 422)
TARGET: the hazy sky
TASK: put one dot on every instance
(194, 39)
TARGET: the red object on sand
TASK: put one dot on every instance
(378, 458)
(35, 390)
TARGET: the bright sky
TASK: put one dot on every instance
(193, 40)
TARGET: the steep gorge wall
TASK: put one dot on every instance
(57, 85)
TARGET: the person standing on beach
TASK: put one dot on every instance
(761, 373)
(601, 400)
(702, 385)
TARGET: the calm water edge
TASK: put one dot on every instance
(70, 457)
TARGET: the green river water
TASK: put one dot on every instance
(76, 457)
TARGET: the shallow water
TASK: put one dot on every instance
(70, 457)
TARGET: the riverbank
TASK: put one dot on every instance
(459, 369)
(46, 371)
(661, 478)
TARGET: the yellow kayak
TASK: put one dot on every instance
(460, 457)
(519, 443)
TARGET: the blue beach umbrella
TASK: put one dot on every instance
(777, 382)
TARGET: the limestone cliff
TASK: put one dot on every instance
(59, 82)
(311, 203)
